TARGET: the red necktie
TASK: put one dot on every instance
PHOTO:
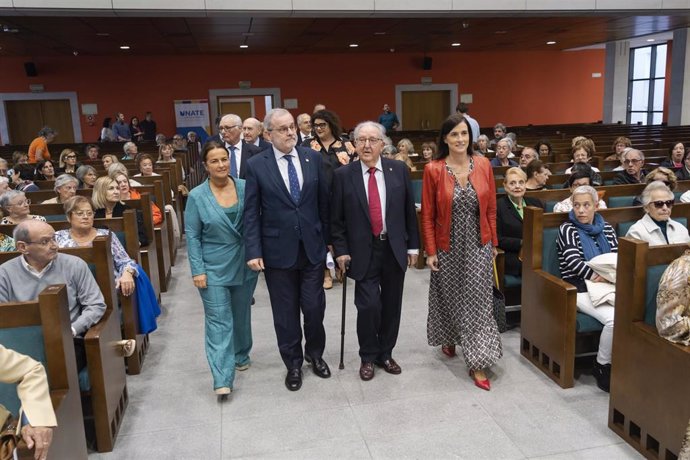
(374, 204)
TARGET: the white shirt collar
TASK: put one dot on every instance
(365, 168)
(33, 271)
(278, 154)
(237, 146)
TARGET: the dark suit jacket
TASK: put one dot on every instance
(273, 223)
(509, 230)
(264, 144)
(214, 138)
(248, 151)
(350, 223)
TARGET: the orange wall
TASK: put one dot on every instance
(516, 88)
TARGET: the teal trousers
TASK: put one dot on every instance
(228, 329)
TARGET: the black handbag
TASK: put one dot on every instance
(499, 307)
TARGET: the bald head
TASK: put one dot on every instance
(304, 123)
(251, 129)
(36, 241)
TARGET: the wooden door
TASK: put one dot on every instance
(424, 110)
(26, 118)
(242, 108)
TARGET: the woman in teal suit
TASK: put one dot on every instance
(214, 225)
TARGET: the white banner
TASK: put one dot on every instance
(193, 115)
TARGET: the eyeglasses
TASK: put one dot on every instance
(632, 162)
(370, 140)
(44, 241)
(83, 213)
(71, 157)
(284, 129)
(661, 204)
(320, 125)
(26, 202)
(227, 128)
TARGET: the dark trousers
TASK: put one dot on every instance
(299, 288)
(378, 297)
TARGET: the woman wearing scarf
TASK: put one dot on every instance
(584, 236)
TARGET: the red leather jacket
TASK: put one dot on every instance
(437, 200)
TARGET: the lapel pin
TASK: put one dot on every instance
(390, 169)
(307, 160)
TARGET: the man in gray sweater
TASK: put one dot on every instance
(40, 265)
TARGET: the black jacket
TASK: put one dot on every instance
(118, 210)
(509, 230)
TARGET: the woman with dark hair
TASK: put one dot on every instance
(107, 131)
(44, 170)
(537, 175)
(684, 172)
(136, 129)
(619, 145)
(214, 229)
(459, 226)
(335, 150)
(145, 166)
(428, 151)
(675, 156)
(544, 148)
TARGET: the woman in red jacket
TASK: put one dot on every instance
(459, 226)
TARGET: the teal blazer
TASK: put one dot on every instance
(214, 244)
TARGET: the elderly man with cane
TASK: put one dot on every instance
(374, 230)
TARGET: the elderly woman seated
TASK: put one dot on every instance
(145, 166)
(107, 203)
(503, 149)
(665, 175)
(537, 175)
(509, 215)
(65, 187)
(80, 214)
(109, 159)
(583, 151)
(581, 238)
(87, 176)
(657, 227)
(15, 206)
(124, 184)
(582, 176)
(483, 146)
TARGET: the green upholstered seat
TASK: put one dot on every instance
(512, 281)
(586, 323)
(27, 341)
(416, 192)
(550, 205)
(654, 274)
(620, 201)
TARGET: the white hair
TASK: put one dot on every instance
(370, 124)
(587, 190)
(268, 119)
(652, 187)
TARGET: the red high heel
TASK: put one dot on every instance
(448, 350)
(483, 384)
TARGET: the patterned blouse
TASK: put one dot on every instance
(6, 243)
(8, 221)
(120, 257)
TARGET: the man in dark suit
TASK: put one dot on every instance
(215, 137)
(230, 129)
(304, 128)
(374, 230)
(253, 132)
(285, 231)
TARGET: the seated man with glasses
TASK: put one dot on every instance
(633, 160)
(657, 227)
(39, 266)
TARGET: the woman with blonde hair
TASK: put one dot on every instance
(107, 203)
(405, 149)
(67, 162)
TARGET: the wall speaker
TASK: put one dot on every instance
(426, 65)
(30, 69)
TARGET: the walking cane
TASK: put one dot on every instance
(342, 321)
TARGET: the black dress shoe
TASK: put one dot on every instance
(319, 366)
(293, 379)
(390, 366)
(602, 374)
(366, 371)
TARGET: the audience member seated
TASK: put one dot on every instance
(499, 133)
(18, 158)
(87, 176)
(119, 168)
(582, 176)
(130, 150)
(428, 151)
(516, 147)
(92, 151)
(662, 174)
(4, 184)
(657, 227)
(482, 146)
(67, 162)
(145, 166)
(15, 206)
(166, 155)
(544, 148)
(38, 417)
(65, 187)
(128, 193)
(583, 237)
(39, 266)
(528, 154)
(509, 215)
(109, 159)
(107, 203)
(684, 172)
(619, 145)
(44, 170)
(675, 156)
(673, 303)
(503, 148)
(160, 138)
(583, 151)
(389, 151)
(80, 214)
(6, 243)
(537, 175)
(633, 160)
(179, 143)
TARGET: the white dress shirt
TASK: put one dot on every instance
(283, 167)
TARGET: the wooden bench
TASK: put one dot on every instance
(550, 322)
(649, 405)
(41, 329)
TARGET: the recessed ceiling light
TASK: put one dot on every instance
(551, 43)
(124, 47)
(353, 45)
(244, 46)
(501, 32)
(379, 33)
(650, 39)
(455, 44)
(102, 34)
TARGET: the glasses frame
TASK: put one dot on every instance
(661, 203)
